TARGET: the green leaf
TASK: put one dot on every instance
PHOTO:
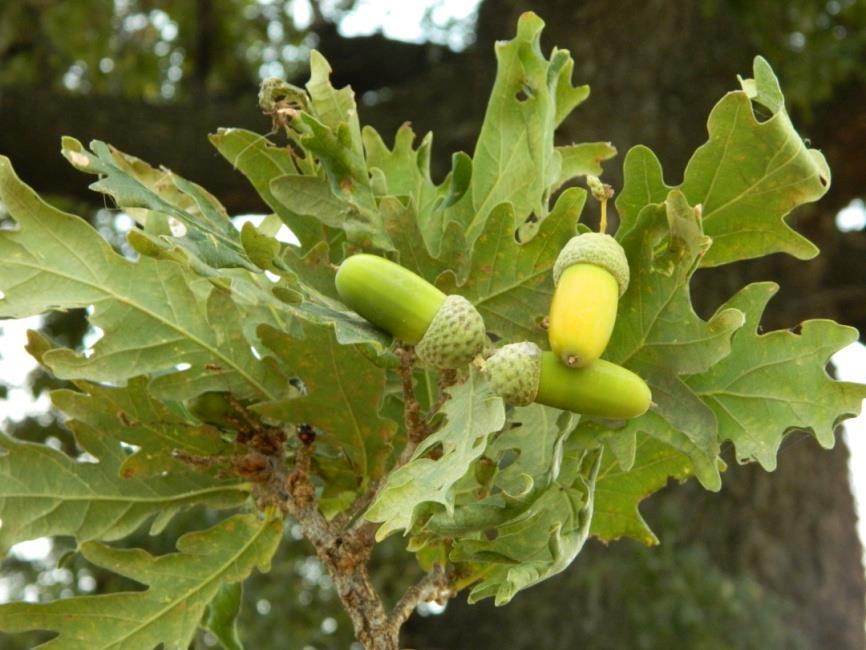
(511, 283)
(262, 248)
(334, 108)
(472, 414)
(582, 159)
(44, 492)
(406, 171)
(312, 197)
(180, 587)
(222, 613)
(544, 540)
(314, 269)
(208, 233)
(643, 185)
(351, 329)
(131, 415)
(261, 161)
(529, 450)
(352, 387)
(515, 160)
(657, 326)
(151, 312)
(415, 210)
(775, 382)
(402, 224)
(315, 197)
(659, 335)
(747, 178)
(618, 492)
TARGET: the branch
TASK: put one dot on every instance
(343, 556)
(433, 586)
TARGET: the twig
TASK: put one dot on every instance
(358, 506)
(446, 380)
(433, 586)
(415, 428)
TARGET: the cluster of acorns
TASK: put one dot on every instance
(590, 274)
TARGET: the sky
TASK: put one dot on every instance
(402, 19)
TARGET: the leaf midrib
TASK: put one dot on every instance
(176, 328)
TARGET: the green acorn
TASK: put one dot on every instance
(521, 373)
(447, 331)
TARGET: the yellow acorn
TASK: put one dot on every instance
(590, 274)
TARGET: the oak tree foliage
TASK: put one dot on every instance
(499, 498)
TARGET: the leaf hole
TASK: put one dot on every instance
(177, 228)
(524, 94)
(490, 534)
(435, 452)
(509, 457)
(298, 384)
(762, 113)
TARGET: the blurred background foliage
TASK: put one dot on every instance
(771, 562)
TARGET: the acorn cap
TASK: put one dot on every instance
(455, 335)
(514, 372)
(594, 248)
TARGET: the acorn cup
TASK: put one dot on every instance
(522, 374)
(447, 331)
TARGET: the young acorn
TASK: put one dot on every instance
(590, 274)
(521, 374)
(447, 331)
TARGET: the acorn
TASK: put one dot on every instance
(521, 374)
(590, 275)
(447, 331)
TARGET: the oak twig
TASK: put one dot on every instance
(416, 429)
(344, 545)
(433, 586)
